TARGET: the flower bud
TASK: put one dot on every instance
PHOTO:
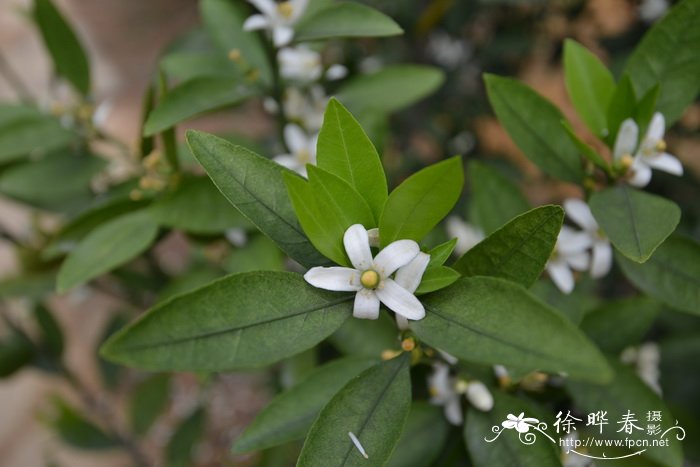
(479, 396)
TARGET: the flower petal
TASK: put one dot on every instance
(268, 7)
(401, 322)
(400, 300)
(282, 35)
(561, 275)
(336, 72)
(656, 129)
(641, 174)
(335, 278)
(373, 235)
(601, 260)
(578, 261)
(666, 163)
(409, 276)
(571, 241)
(366, 305)
(298, 9)
(479, 396)
(626, 140)
(288, 161)
(453, 411)
(356, 242)
(256, 22)
(295, 138)
(467, 236)
(580, 213)
(395, 255)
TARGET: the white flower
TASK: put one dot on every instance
(335, 72)
(651, 10)
(278, 18)
(448, 52)
(409, 278)
(300, 64)
(302, 147)
(371, 277)
(306, 108)
(521, 423)
(466, 234)
(650, 154)
(646, 359)
(479, 396)
(601, 250)
(569, 253)
(442, 392)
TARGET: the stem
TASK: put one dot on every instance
(168, 136)
(277, 93)
(14, 80)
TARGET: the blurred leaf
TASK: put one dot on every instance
(148, 400)
(108, 246)
(635, 221)
(493, 321)
(178, 453)
(373, 406)
(259, 254)
(436, 278)
(572, 305)
(621, 107)
(543, 139)
(669, 55)
(290, 415)
(186, 66)
(33, 285)
(346, 19)
(193, 279)
(681, 385)
(68, 55)
(75, 430)
(519, 250)
(421, 201)
(366, 338)
(16, 351)
(24, 130)
(584, 149)
(110, 372)
(671, 276)
(255, 186)
(441, 253)
(241, 321)
(51, 333)
(423, 437)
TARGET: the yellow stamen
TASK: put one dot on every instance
(408, 344)
(234, 55)
(660, 146)
(285, 9)
(626, 161)
(461, 386)
(369, 279)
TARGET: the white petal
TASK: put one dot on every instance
(440, 383)
(335, 72)
(577, 261)
(373, 235)
(561, 275)
(288, 161)
(298, 9)
(641, 174)
(626, 140)
(656, 129)
(580, 213)
(401, 323)
(282, 35)
(268, 7)
(601, 260)
(295, 138)
(256, 22)
(453, 411)
(356, 243)
(467, 235)
(409, 276)
(366, 305)
(334, 278)
(571, 241)
(395, 255)
(479, 396)
(400, 300)
(666, 163)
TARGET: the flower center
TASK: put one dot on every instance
(304, 156)
(626, 161)
(660, 146)
(369, 279)
(285, 9)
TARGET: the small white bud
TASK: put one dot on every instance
(479, 396)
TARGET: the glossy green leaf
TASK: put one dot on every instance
(646, 107)
(584, 149)
(179, 451)
(635, 221)
(437, 278)
(507, 448)
(626, 392)
(493, 321)
(346, 19)
(543, 139)
(669, 55)
(519, 250)
(326, 206)
(290, 415)
(441, 253)
(367, 338)
(622, 106)
(148, 400)
(573, 305)
(345, 151)
(590, 85)
(107, 247)
(24, 130)
(671, 276)
(373, 406)
(421, 201)
(422, 439)
(196, 277)
(620, 323)
(255, 186)
(68, 55)
(75, 430)
(186, 66)
(223, 21)
(495, 199)
(391, 89)
(241, 321)
(16, 351)
(193, 98)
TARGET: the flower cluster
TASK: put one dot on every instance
(447, 391)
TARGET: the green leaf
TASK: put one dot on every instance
(587, 151)
(542, 138)
(519, 250)
(223, 21)
(669, 55)
(573, 305)
(108, 246)
(622, 106)
(373, 406)
(421, 201)
(148, 401)
(193, 279)
(671, 276)
(51, 333)
(33, 285)
(290, 415)
(75, 430)
(391, 89)
(590, 85)
(68, 55)
(241, 321)
(635, 221)
(367, 338)
(326, 206)
(198, 207)
(626, 392)
(507, 449)
(441, 253)
(179, 452)
(193, 98)
(255, 186)
(24, 130)
(422, 439)
(186, 66)
(646, 108)
(346, 19)
(109, 372)
(436, 278)
(629, 318)
(345, 151)
(493, 321)
(495, 199)
(259, 254)
(16, 351)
